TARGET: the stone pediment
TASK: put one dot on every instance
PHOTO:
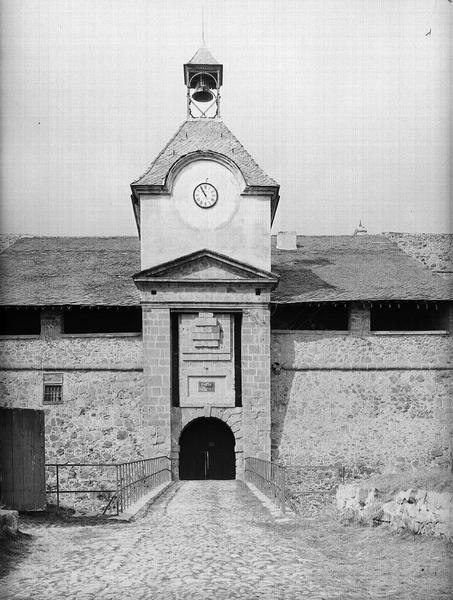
(206, 266)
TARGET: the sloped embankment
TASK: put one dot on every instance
(417, 502)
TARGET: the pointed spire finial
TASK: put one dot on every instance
(360, 230)
(202, 26)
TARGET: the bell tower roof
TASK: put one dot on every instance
(205, 136)
(203, 57)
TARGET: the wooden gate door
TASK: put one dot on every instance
(22, 477)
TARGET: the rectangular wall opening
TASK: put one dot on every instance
(409, 316)
(102, 320)
(311, 317)
(174, 358)
(237, 332)
(20, 321)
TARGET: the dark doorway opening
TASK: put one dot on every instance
(206, 450)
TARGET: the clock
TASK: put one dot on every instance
(205, 195)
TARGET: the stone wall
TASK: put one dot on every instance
(107, 352)
(434, 250)
(368, 402)
(256, 382)
(100, 418)
(6, 240)
(156, 346)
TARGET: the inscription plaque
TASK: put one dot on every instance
(206, 386)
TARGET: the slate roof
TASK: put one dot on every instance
(346, 268)
(207, 135)
(67, 270)
(98, 271)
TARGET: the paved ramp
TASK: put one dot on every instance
(214, 540)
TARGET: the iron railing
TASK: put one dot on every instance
(287, 485)
(269, 478)
(121, 484)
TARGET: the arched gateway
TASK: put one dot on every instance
(206, 450)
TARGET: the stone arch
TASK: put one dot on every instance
(207, 450)
(230, 416)
(182, 162)
(181, 417)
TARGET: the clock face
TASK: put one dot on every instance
(205, 195)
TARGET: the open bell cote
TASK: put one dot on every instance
(203, 76)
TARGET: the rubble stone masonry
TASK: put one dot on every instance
(101, 416)
(367, 401)
(371, 402)
(434, 250)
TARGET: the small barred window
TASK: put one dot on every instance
(53, 394)
(53, 388)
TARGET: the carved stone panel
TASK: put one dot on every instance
(206, 365)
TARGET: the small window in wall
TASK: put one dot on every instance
(102, 320)
(24, 320)
(304, 316)
(53, 388)
(409, 316)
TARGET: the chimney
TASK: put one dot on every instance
(360, 230)
(286, 240)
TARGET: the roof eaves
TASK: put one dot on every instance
(164, 149)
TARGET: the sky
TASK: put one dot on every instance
(344, 103)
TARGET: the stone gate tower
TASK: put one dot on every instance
(204, 210)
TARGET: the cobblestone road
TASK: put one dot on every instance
(215, 540)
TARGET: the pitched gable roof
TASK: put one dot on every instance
(207, 135)
(98, 271)
(206, 265)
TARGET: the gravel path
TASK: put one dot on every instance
(215, 540)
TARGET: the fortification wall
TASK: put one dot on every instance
(434, 250)
(101, 416)
(107, 352)
(371, 403)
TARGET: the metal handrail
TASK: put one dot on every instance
(269, 477)
(130, 480)
(274, 480)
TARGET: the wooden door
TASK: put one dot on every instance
(22, 477)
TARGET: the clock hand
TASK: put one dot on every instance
(203, 191)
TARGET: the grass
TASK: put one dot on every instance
(438, 480)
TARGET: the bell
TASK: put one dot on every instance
(202, 93)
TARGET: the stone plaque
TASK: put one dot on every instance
(206, 386)
(205, 389)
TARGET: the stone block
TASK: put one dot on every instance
(9, 522)
(388, 511)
